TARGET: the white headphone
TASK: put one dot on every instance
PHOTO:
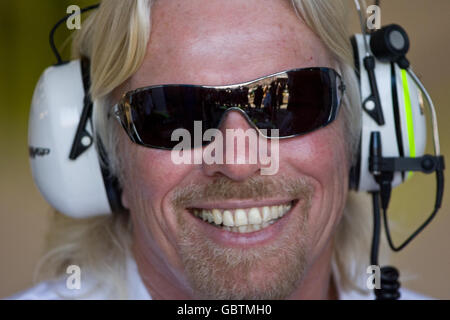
(404, 130)
(73, 187)
(79, 187)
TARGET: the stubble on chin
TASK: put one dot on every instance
(272, 271)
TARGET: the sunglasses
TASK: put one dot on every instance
(295, 102)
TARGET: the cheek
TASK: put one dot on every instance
(149, 177)
(322, 157)
(158, 174)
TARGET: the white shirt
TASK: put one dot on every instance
(57, 289)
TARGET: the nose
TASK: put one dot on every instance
(239, 147)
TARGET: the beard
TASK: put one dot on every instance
(269, 271)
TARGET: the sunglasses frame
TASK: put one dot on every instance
(122, 110)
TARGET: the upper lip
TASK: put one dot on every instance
(241, 204)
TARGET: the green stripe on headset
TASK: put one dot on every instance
(409, 117)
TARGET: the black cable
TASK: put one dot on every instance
(55, 27)
(439, 194)
(383, 170)
(376, 229)
(389, 284)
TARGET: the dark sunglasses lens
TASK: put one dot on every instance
(159, 111)
(310, 102)
(298, 104)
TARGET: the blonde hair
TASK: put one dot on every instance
(115, 39)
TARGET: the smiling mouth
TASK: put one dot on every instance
(243, 220)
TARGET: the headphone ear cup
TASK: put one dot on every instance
(404, 131)
(73, 187)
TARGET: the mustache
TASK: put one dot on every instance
(257, 188)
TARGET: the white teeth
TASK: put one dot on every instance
(242, 229)
(274, 212)
(228, 219)
(240, 218)
(243, 220)
(266, 214)
(217, 216)
(209, 216)
(254, 217)
(280, 210)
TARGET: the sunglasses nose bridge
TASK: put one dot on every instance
(228, 113)
(240, 147)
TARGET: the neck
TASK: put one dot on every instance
(318, 283)
(159, 279)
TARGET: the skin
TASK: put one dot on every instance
(218, 42)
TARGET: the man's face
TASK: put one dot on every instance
(224, 42)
